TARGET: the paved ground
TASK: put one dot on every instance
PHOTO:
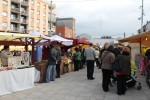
(75, 86)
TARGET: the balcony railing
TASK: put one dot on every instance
(17, 20)
(15, 1)
(15, 9)
(23, 31)
(24, 21)
(25, 3)
(24, 12)
(15, 29)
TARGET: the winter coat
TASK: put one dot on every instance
(107, 59)
(53, 57)
(126, 62)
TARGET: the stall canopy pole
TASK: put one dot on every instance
(33, 53)
(26, 45)
(140, 45)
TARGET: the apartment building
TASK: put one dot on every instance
(66, 27)
(64, 31)
(23, 16)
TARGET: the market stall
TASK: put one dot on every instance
(16, 74)
(42, 66)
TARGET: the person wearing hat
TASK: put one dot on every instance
(5, 54)
(89, 54)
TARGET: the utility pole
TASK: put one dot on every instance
(142, 14)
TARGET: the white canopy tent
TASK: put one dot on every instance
(61, 40)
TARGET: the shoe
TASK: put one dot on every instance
(119, 93)
(92, 78)
(106, 90)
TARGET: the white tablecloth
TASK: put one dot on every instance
(37, 75)
(16, 80)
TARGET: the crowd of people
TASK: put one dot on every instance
(89, 56)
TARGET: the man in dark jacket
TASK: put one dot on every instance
(52, 61)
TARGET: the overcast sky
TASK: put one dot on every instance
(104, 17)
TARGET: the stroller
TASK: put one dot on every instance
(132, 82)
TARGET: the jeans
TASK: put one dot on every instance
(49, 69)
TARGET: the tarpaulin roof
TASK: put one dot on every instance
(58, 38)
(143, 39)
(13, 36)
(81, 41)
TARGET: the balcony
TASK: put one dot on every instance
(24, 12)
(16, 1)
(14, 29)
(25, 22)
(23, 31)
(25, 3)
(15, 9)
(15, 20)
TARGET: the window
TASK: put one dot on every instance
(38, 4)
(4, 2)
(44, 30)
(38, 13)
(32, 1)
(44, 22)
(44, 14)
(4, 13)
(32, 10)
(4, 24)
(38, 21)
(37, 29)
(59, 34)
(44, 6)
(31, 28)
(32, 20)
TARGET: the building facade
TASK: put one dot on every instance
(64, 31)
(66, 27)
(23, 16)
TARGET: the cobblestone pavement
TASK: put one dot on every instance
(75, 86)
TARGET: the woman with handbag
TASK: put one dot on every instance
(107, 59)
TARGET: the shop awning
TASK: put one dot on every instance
(81, 41)
(13, 36)
(143, 39)
(16, 38)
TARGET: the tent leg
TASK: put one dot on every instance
(33, 53)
